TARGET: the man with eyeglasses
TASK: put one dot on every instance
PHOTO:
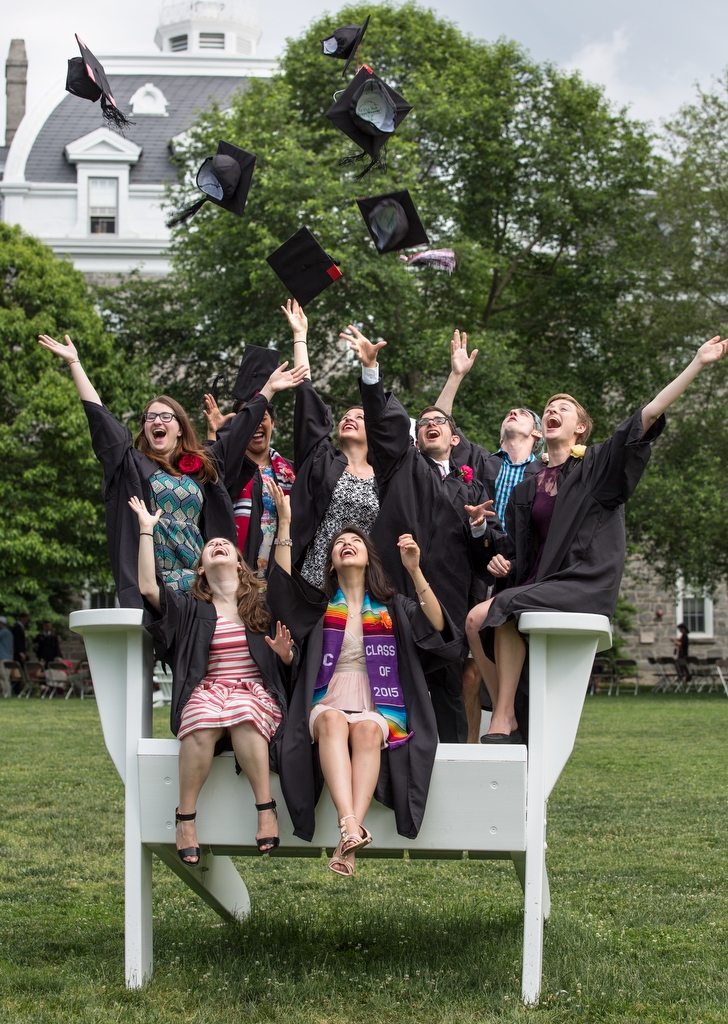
(499, 472)
(422, 492)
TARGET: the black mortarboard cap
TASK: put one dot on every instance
(256, 366)
(393, 221)
(225, 179)
(344, 43)
(368, 111)
(86, 78)
(304, 267)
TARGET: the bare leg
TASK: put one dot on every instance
(471, 696)
(195, 760)
(251, 751)
(510, 654)
(473, 624)
(331, 732)
(366, 759)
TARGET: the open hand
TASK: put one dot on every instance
(281, 378)
(296, 317)
(147, 521)
(282, 501)
(460, 362)
(66, 352)
(409, 552)
(215, 419)
(364, 349)
(478, 513)
(281, 643)
(499, 566)
(712, 351)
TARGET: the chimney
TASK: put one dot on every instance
(16, 79)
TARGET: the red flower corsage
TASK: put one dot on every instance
(466, 474)
(190, 463)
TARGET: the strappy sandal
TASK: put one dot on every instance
(188, 851)
(350, 842)
(339, 865)
(270, 842)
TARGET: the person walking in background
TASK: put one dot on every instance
(47, 645)
(20, 643)
(6, 640)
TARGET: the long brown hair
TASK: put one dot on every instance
(252, 609)
(375, 578)
(187, 443)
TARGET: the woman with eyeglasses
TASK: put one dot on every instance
(334, 486)
(167, 464)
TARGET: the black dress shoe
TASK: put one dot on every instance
(502, 737)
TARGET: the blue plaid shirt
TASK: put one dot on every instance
(510, 474)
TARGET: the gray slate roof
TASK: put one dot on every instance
(73, 117)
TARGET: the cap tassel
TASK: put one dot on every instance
(186, 213)
(377, 163)
(114, 116)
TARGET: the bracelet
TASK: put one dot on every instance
(287, 543)
(74, 361)
(300, 341)
(421, 592)
(146, 534)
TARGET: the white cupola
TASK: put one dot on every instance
(209, 28)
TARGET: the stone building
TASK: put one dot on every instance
(95, 195)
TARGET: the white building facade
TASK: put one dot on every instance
(96, 196)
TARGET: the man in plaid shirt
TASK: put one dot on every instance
(520, 444)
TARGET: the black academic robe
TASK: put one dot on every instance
(404, 775)
(414, 498)
(126, 474)
(254, 537)
(185, 627)
(583, 558)
(318, 465)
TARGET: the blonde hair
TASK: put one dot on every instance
(581, 412)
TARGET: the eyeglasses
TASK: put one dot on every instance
(438, 420)
(165, 417)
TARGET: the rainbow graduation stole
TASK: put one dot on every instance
(380, 651)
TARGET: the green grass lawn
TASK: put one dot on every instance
(637, 862)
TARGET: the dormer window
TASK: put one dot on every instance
(212, 40)
(178, 43)
(149, 101)
(103, 202)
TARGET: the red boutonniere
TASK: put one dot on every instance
(190, 463)
(386, 619)
(466, 474)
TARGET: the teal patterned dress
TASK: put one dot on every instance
(178, 542)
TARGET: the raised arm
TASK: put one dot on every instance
(147, 569)
(711, 352)
(409, 552)
(283, 540)
(68, 353)
(299, 325)
(460, 364)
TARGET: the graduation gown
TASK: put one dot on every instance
(404, 775)
(127, 472)
(415, 499)
(318, 465)
(583, 558)
(185, 627)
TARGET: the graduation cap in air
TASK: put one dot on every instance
(368, 111)
(225, 179)
(304, 267)
(392, 221)
(344, 43)
(86, 78)
(256, 366)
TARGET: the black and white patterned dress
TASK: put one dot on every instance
(353, 501)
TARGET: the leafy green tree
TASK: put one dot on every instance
(53, 537)
(527, 172)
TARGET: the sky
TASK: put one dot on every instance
(648, 54)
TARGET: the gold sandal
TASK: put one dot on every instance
(339, 865)
(351, 842)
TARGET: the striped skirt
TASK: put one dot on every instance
(220, 704)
